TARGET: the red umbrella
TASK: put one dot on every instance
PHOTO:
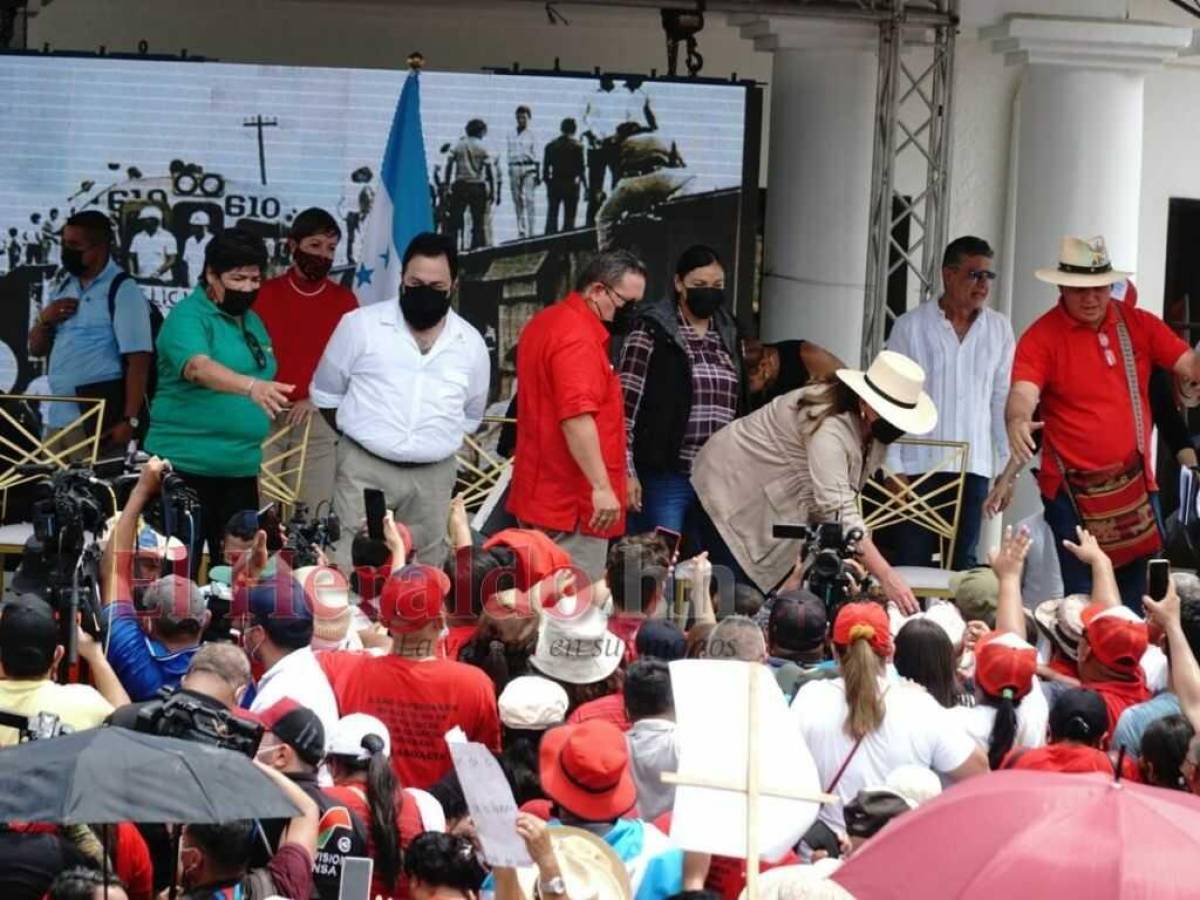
(1035, 835)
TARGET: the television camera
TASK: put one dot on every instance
(180, 715)
(828, 547)
(302, 535)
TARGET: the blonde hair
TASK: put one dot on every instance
(860, 667)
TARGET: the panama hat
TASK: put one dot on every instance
(1082, 263)
(1062, 621)
(894, 388)
(590, 868)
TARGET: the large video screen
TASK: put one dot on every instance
(174, 150)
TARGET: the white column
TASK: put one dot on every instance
(819, 178)
(1077, 149)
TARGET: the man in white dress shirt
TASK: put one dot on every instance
(966, 350)
(402, 384)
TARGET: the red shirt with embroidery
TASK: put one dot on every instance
(1085, 401)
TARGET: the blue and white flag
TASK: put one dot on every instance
(401, 209)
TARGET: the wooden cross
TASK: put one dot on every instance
(751, 787)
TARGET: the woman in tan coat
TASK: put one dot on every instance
(803, 458)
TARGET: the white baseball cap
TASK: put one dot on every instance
(150, 212)
(349, 733)
(199, 217)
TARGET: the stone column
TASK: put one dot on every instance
(819, 178)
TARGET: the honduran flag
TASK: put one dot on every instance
(402, 207)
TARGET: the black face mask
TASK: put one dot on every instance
(424, 306)
(236, 303)
(312, 266)
(72, 261)
(622, 320)
(704, 301)
(885, 432)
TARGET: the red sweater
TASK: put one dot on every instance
(300, 325)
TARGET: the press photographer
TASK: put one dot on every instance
(154, 629)
(804, 458)
(30, 650)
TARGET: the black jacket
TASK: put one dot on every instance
(662, 416)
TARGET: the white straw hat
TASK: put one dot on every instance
(894, 386)
(1082, 262)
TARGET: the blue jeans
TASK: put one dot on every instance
(912, 545)
(1077, 577)
(667, 498)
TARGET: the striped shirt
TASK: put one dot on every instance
(714, 386)
(968, 381)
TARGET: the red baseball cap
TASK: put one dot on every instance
(585, 770)
(867, 621)
(1117, 635)
(412, 598)
(1005, 662)
(537, 555)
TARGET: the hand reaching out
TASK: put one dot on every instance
(1087, 550)
(1009, 560)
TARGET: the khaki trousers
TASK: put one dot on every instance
(418, 496)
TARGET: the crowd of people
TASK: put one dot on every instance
(655, 451)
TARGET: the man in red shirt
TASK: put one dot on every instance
(569, 470)
(301, 308)
(1071, 362)
(416, 695)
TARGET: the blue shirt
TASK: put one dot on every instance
(88, 346)
(143, 665)
(1136, 719)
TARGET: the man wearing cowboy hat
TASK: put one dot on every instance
(1082, 361)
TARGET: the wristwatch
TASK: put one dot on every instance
(555, 887)
(133, 421)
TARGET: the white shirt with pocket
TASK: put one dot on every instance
(396, 402)
(916, 730)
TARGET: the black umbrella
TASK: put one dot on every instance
(106, 775)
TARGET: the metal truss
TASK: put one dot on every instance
(912, 128)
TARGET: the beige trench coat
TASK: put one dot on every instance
(766, 469)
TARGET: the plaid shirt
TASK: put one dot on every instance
(714, 386)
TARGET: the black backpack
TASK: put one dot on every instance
(156, 321)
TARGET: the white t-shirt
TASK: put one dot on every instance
(152, 251)
(916, 730)
(1033, 715)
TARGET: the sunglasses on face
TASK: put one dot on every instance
(981, 275)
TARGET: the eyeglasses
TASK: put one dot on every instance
(978, 275)
(1109, 356)
(624, 300)
(260, 356)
